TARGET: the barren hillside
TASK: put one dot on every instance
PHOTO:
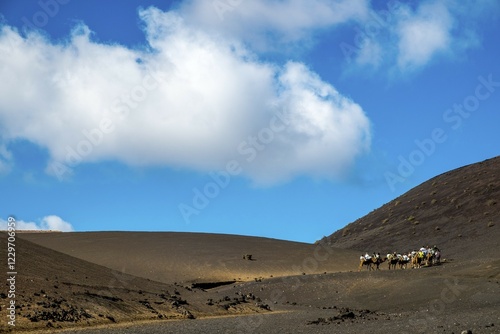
(459, 211)
(57, 290)
(197, 257)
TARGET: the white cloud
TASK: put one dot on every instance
(267, 24)
(52, 223)
(188, 101)
(56, 223)
(322, 122)
(370, 53)
(5, 160)
(407, 37)
(424, 34)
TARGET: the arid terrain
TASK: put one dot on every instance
(459, 211)
(138, 282)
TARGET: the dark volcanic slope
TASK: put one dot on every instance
(458, 211)
(56, 290)
(197, 257)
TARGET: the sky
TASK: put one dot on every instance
(284, 119)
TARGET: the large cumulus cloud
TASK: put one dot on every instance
(186, 99)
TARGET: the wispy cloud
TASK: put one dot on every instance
(423, 34)
(5, 160)
(405, 38)
(399, 35)
(52, 223)
(188, 101)
(270, 24)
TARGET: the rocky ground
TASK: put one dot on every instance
(451, 298)
(54, 290)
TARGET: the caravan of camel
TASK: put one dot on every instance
(425, 256)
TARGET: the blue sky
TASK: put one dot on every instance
(284, 119)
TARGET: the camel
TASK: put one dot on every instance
(392, 260)
(403, 263)
(437, 257)
(370, 263)
(364, 262)
(378, 261)
(429, 258)
(417, 259)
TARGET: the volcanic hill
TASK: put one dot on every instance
(459, 211)
(196, 257)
